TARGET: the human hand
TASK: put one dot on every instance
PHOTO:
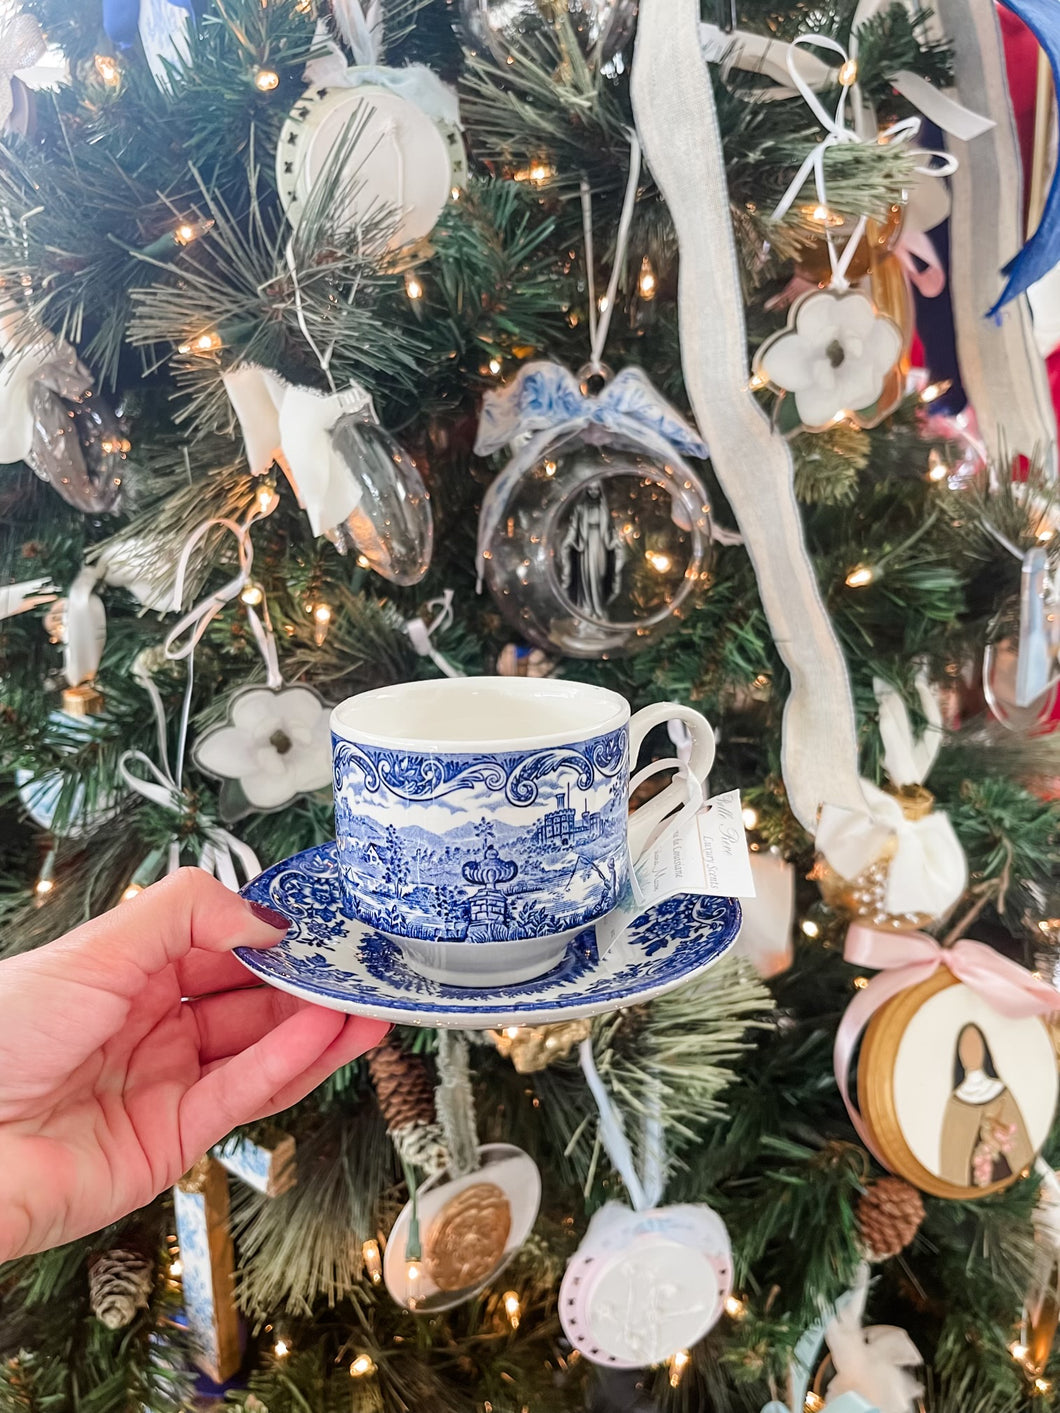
(112, 1085)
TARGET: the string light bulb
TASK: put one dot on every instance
(321, 623)
(814, 1402)
(750, 817)
(1042, 1385)
(202, 343)
(810, 928)
(412, 1271)
(265, 498)
(938, 467)
(494, 366)
(933, 391)
(859, 576)
(512, 1308)
(678, 1363)
(265, 80)
(755, 382)
(734, 1307)
(647, 285)
(133, 890)
(188, 231)
(108, 69)
(252, 595)
(848, 73)
(659, 561)
(46, 880)
(1018, 1351)
(373, 1261)
(540, 172)
(413, 288)
(362, 1366)
(281, 1348)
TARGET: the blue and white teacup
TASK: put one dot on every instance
(482, 821)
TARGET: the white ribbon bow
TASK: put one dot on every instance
(221, 850)
(906, 759)
(870, 1363)
(22, 44)
(292, 426)
(20, 370)
(928, 871)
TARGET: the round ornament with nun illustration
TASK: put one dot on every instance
(957, 1096)
(595, 540)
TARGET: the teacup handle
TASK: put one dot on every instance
(681, 792)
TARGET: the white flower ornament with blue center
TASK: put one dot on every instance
(835, 357)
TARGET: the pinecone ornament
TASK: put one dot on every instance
(120, 1282)
(404, 1090)
(888, 1214)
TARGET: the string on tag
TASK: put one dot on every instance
(600, 319)
(421, 633)
(838, 132)
(645, 1189)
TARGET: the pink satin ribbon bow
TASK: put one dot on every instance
(904, 959)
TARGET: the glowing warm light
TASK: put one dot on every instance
(734, 1307)
(750, 817)
(455, 193)
(176, 1269)
(132, 891)
(205, 343)
(185, 234)
(281, 1349)
(603, 303)
(361, 1366)
(413, 1272)
(814, 1403)
(810, 928)
(821, 214)
(322, 613)
(1018, 1351)
(756, 382)
(1045, 534)
(253, 595)
(678, 1362)
(848, 73)
(495, 366)
(265, 80)
(373, 1261)
(934, 391)
(646, 283)
(550, 468)
(108, 70)
(540, 173)
(265, 498)
(1042, 1385)
(660, 562)
(413, 288)
(44, 886)
(859, 577)
(303, 7)
(512, 1032)
(938, 469)
(860, 982)
(512, 1308)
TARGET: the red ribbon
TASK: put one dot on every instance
(904, 959)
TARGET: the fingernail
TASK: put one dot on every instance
(270, 916)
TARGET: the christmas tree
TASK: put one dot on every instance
(352, 344)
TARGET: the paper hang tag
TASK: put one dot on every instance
(708, 856)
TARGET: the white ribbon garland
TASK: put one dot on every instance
(421, 633)
(292, 426)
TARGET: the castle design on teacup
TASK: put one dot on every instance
(483, 847)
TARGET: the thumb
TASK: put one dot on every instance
(188, 910)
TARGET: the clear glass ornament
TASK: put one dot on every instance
(601, 547)
(602, 26)
(391, 529)
(79, 446)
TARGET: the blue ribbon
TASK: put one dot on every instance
(1042, 252)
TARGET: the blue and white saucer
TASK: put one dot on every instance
(330, 958)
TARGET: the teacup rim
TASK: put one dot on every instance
(528, 686)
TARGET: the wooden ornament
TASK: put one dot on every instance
(957, 1097)
(467, 1239)
(200, 1201)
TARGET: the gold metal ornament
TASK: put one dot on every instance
(862, 897)
(532, 1048)
(83, 700)
(879, 239)
(467, 1239)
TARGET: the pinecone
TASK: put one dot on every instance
(889, 1213)
(403, 1085)
(120, 1282)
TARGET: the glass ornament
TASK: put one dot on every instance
(79, 446)
(602, 27)
(879, 239)
(391, 528)
(600, 547)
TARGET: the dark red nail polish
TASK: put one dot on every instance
(270, 916)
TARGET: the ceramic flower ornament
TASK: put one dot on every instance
(276, 746)
(836, 357)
